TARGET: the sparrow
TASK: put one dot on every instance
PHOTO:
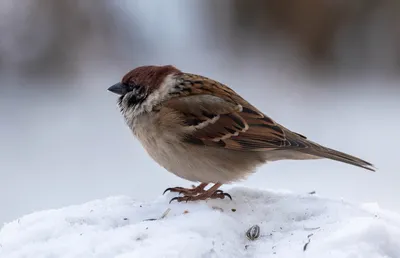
(203, 131)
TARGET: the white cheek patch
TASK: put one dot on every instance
(159, 95)
(155, 98)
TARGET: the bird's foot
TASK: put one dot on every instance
(187, 191)
(218, 194)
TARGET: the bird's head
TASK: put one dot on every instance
(143, 87)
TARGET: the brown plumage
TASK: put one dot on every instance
(241, 126)
(202, 130)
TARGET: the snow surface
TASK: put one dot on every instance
(117, 227)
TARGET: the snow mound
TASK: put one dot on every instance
(290, 226)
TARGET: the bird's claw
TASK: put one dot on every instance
(176, 190)
(179, 199)
(186, 191)
(227, 195)
(222, 192)
(168, 189)
(219, 194)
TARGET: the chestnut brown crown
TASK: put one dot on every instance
(149, 77)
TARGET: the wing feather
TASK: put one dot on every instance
(215, 115)
(212, 114)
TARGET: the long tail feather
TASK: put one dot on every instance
(324, 152)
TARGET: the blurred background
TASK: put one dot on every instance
(326, 69)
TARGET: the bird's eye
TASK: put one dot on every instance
(138, 94)
(130, 87)
(139, 91)
(134, 87)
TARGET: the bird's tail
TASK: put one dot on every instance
(324, 152)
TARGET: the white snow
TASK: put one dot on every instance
(116, 227)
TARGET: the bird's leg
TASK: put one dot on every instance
(212, 193)
(186, 191)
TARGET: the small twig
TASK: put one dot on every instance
(306, 244)
(165, 213)
(162, 216)
(217, 208)
(149, 219)
(309, 229)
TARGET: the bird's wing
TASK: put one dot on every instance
(215, 115)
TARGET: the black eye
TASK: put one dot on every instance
(130, 87)
(139, 90)
(134, 87)
(138, 94)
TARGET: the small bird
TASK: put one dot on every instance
(201, 130)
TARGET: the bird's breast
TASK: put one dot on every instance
(189, 161)
(159, 136)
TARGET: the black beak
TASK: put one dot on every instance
(119, 88)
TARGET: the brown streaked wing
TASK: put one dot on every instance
(220, 117)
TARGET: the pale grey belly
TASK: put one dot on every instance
(202, 163)
(205, 164)
(214, 165)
